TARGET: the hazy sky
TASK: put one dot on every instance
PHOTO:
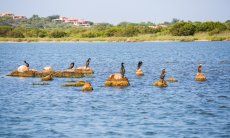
(115, 11)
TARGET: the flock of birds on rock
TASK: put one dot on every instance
(117, 79)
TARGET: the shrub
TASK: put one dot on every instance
(182, 29)
(4, 30)
(58, 34)
(210, 26)
(16, 34)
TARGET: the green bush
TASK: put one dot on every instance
(210, 26)
(130, 31)
(58, 34)
(4, 30)
(183, 29)
(16, 34)
(42, 34)
(213, 32)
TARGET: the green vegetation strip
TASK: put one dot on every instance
(36, 29)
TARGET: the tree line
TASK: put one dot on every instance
(40, 27)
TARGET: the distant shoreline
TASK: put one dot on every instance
(108, 41)
(141, 38)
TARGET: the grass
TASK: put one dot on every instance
(224, 36)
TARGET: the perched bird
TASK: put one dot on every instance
(122, 71)
(71, 65)
(162, 76)
(27, 64)
(199, 68)
(87, 63)
(139, 64)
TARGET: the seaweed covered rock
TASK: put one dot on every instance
(87, 87)
(84, 70)
(29, 73)
(47, 78)
(75, 84)
(68, 74)
(139, 72)
(171, 79)
(159, 83)
(117, 80)
(58, 74)
(200, 77)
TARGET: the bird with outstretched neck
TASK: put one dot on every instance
(87, 63)
(162, 76)
(27, 64)
(199, 68)
(139, 65)
(71, 65)
(122, 71)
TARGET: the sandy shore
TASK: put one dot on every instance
(156, 41)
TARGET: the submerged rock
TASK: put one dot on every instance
(200, 77)
(41, 83)
(87, 87)
(47, 78)
(117, 80)
(139, 72)
(75, 84)
(159, 83)
(171, 79)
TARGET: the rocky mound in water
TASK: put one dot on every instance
(85, 70)
(29, 73)
(48, 70)
(75, 84)
(139, 72)
(159, 83)
(48, 78)
(59, 74)
(68, 74)
(22, 68)
(117, 80)
(200, 77)
(87, 87)
(171, 79)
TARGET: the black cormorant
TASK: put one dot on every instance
(199, 68)
(27, 64)
(162, 77)
(71, 65)
(87, 62)
(139, 65)
(122, 71)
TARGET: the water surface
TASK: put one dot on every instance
(183, 109)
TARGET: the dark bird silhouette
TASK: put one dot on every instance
(139, 64)
(199, 68)
(71, 65)
(27, 64)
(87, 62)
(122, 71)
(163, 73)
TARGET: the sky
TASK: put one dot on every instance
(115, 11)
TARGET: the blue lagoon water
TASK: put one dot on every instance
(183, 109)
